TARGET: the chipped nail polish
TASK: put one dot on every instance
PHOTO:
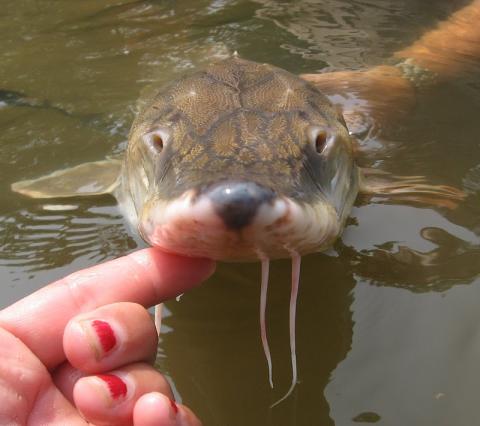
(105, 334)
(174, 406)
(116, 385)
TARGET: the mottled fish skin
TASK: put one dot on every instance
(239, 120)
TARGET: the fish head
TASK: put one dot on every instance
(239, 162)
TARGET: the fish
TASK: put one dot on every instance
(238, 162)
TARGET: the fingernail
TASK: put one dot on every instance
(174, 406)
(105, 335)
(116, 386)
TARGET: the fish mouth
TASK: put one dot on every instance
(238, 221)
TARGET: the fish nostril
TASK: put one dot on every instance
(237, 203)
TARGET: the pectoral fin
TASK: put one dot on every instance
(408, 189)
(95, 178)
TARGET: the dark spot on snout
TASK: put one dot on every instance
(237, 203)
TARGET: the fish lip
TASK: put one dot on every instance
(190, 226)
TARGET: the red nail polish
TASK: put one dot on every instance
(174, 406)
(116, 385)
(105, 334)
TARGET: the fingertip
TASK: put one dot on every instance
(105, 398)
(111, 397)
(88, 343)
(79, 345)
(155, 409)
(110, 337)
(173, 274)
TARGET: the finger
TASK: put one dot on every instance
(109, 337)
(64, 377)
(27, 393)
(146, 277)
(110, 398)
(155, 409)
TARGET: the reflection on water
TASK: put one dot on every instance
(422, 252)
(387, 320)
(37, 239)
(348, 34)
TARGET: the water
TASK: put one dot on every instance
(387, 321)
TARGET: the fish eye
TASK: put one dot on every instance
(156, 140)
(320, 138)
(320, 141)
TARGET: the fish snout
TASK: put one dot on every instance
(237, 220)
(238, 203)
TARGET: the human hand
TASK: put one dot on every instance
(80, 351)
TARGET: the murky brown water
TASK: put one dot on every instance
(388, 322)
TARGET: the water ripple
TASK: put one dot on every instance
(35, 240)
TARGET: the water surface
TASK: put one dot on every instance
(387, 321)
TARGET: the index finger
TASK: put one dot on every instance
(147, 277)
